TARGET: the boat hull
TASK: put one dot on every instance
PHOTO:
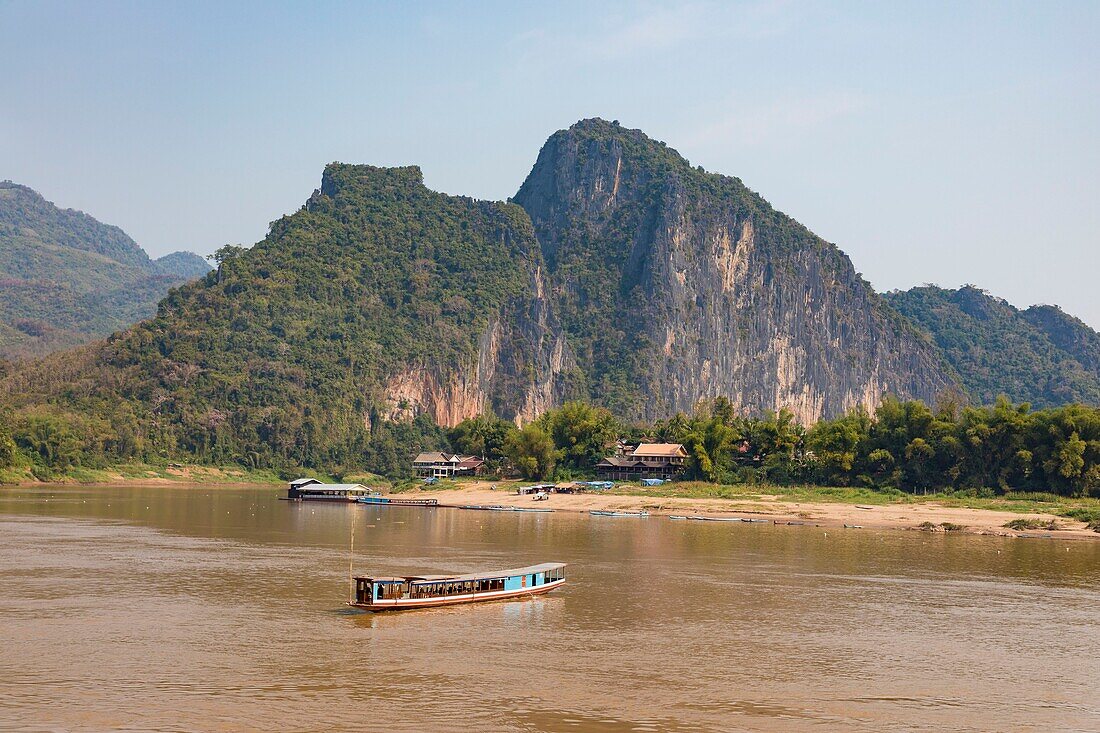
(499, 508)
(405, 604)
(329, 499)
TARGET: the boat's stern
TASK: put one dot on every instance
(364, 593)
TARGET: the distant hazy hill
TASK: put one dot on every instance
(185, 265)
(66, 278)
(1039, 355)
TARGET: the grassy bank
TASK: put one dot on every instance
(137, 473)
(1081, 509)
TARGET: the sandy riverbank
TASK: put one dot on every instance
(906, 516)
(825, 514)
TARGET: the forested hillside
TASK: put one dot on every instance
(378, 302)
(652, 296)
(66, 278)
(1040, 355)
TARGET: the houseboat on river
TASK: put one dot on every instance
(426, 591)
(310, 489)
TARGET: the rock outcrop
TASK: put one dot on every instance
(674, 284)
(520, 371)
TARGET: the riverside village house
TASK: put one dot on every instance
(447, 465)
(646, 460)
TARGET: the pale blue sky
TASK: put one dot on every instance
(933, 143)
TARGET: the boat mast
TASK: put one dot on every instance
(351, 565)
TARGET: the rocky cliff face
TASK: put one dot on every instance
(518, 372)
(674, 285)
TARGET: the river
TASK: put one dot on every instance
(222, 609)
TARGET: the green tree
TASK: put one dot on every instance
(484, 435)
(7, 443)
(531, 451)
(710, 444)
(50, 440)
(581, 433)
(835, 445)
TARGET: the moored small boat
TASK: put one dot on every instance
(676, 516)
(700, 518)
(427, 591)
(502, 508)
(608, 513)
(386, 501)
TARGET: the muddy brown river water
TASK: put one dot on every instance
(184, 608)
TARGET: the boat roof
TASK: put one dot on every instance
(335, 487)
(540, 568)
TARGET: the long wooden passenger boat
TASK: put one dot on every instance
(609, 513)
(386, 501)
(427, 591)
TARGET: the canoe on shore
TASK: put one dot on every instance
(502, 508)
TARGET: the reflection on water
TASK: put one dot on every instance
(222, 609)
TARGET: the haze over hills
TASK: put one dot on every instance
(620, 274)
(1039, 355)
(66, 278)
